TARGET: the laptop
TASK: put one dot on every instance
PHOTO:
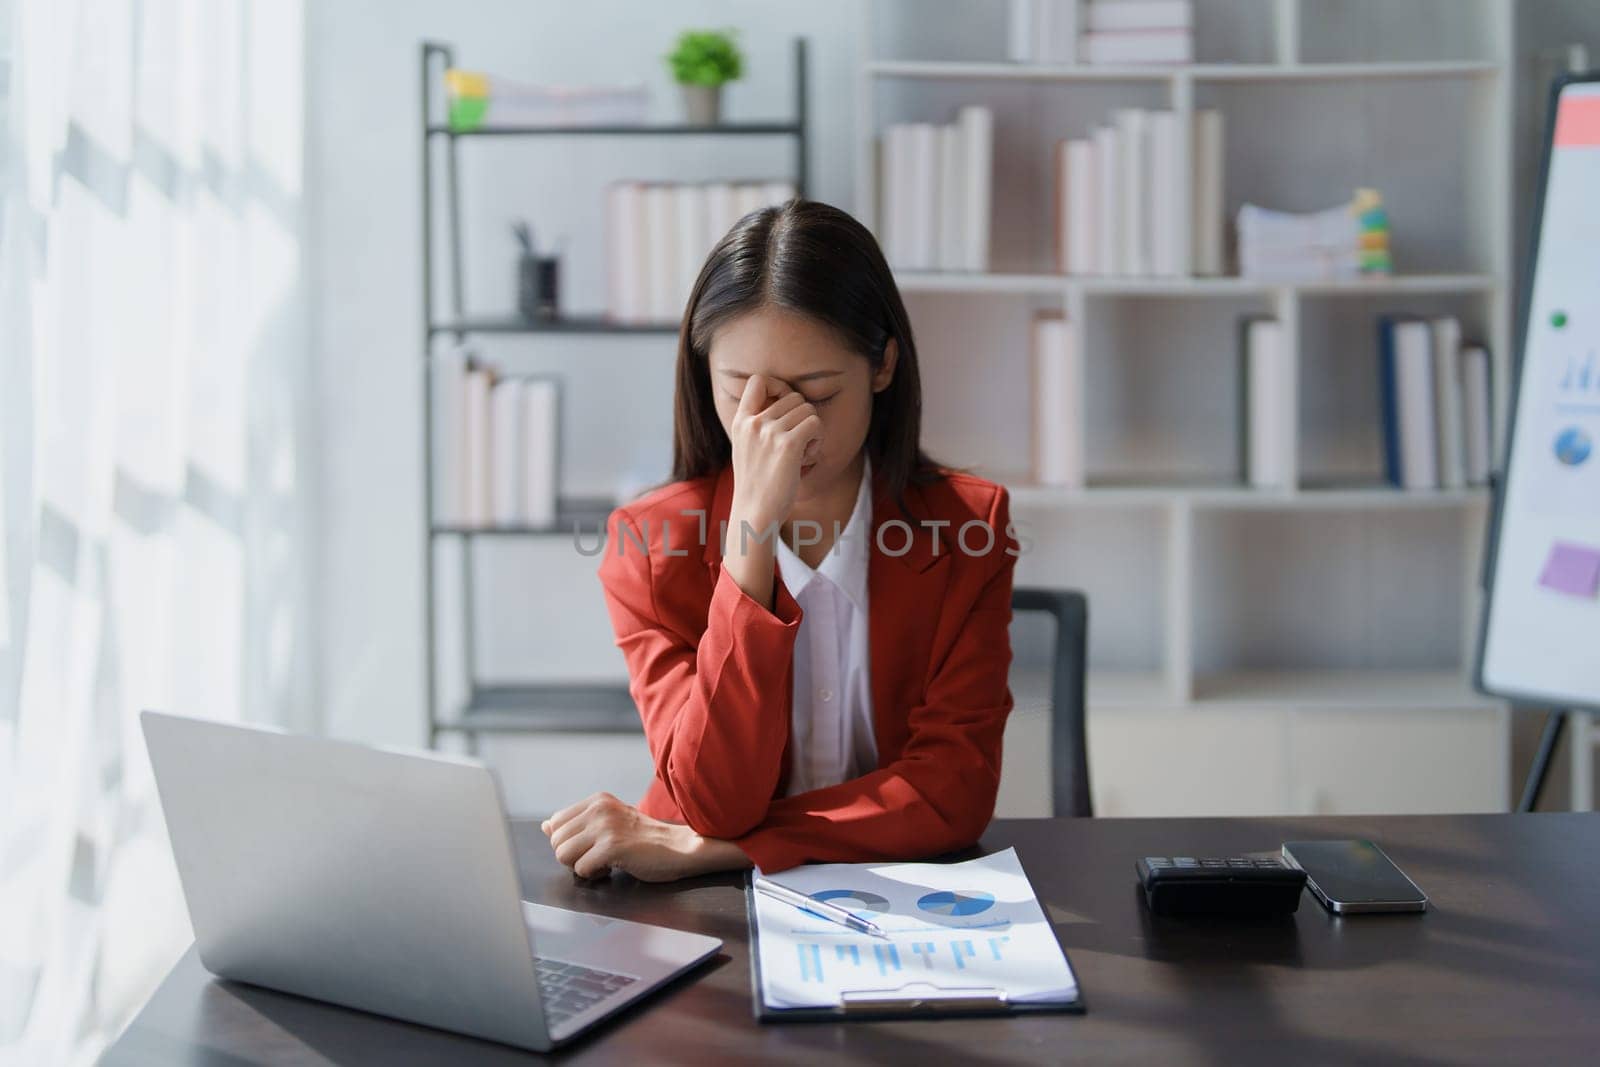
(385, 881)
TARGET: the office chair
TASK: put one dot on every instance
(1069, 664)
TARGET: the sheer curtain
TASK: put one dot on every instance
(153, 464)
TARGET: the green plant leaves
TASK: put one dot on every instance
(706, 57)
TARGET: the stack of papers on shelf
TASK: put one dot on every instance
(935, 192)
(497, 442)
(1137, 32)
(478, 101)
(1436, 404)
(1339, 242)
(969, 928)
(1121, 193)
(658, 235)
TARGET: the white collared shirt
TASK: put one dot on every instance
(831, 739)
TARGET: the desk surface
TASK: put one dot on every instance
(1505, 967)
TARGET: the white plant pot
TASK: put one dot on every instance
(702, 104)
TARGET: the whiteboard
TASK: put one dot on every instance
(1540, 639)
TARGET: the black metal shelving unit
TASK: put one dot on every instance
(533, 706)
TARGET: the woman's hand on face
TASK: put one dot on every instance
(602, 833)
(772, 439)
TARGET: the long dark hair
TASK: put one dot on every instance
(813, 259)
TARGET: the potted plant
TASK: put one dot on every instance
(702, 61)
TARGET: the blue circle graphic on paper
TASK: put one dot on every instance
(855, 900)
(1573, 446)
(946, 902)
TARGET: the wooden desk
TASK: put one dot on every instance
(1504, 968)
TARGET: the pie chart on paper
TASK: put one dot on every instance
(1573, 446)
(855, 900)
(950, 902)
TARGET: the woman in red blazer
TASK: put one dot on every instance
(798, 402)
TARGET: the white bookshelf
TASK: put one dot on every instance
(1066, 285)
(1309, 625)
(1177, 73)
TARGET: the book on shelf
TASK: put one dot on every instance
(541, 450)
(977, 186)
(658, 235)
(1022, 30)
(1120, 197)
(1100, 31)
(449, 458)
(1208, 219)
(922, 192)
(1107, 151)
(1057, 371)
(1264, 400)
(1124, 15)
(895, 227)
(1434, 394)
(506, 444)
(1110, 48)
(950, 232)
(625, 290)
(661, 236)
(1078, 201)
(692, 205)
(476, 505)
(496, 444)
(1042, 31)
(1448, 401)
(1476, 416)
(1134, 157)
(935, 192)
(1165, 194)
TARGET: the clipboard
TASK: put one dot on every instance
(902, 1002)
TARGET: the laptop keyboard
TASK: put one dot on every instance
(570, 988)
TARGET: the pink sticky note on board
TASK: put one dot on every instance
(1572, 569)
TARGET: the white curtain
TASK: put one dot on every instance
(153, 490)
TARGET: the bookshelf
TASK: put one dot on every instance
(1175, 74)
(525, 705)
(1279, 633)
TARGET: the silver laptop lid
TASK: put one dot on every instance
(377, 880)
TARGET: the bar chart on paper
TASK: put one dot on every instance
(966, 927)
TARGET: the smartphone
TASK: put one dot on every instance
(1351, 877)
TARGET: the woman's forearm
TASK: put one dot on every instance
(749, 555)
(711, 854)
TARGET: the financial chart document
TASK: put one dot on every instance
(953, 929)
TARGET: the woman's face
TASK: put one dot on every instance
(797, 353)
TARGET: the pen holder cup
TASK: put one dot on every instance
(538, 287)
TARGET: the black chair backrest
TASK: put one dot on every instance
(1069, 743)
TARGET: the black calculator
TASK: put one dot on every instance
(1236, 885)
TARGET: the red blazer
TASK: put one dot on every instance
(711, 671)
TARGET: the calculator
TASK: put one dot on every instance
(1234, 885)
